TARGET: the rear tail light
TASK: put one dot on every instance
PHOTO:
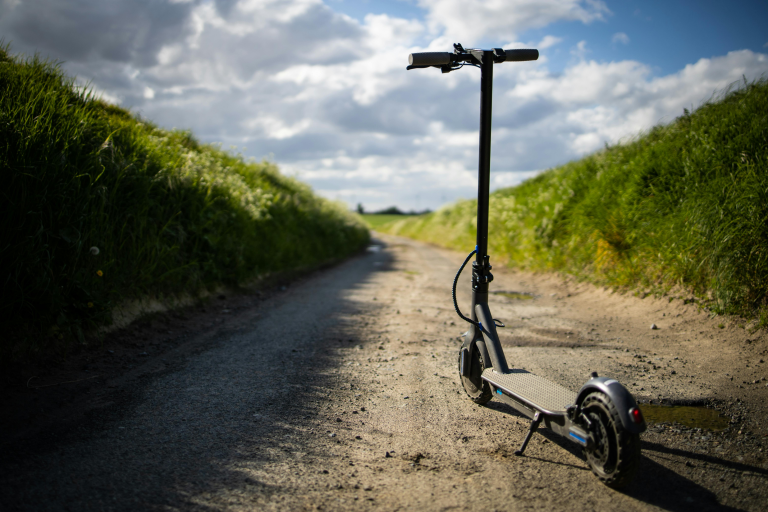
(637, 415)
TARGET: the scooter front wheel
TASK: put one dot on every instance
(614, 453)
(477, 389)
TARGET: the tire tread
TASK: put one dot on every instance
(627, 443)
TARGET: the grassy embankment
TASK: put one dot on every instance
(685, 205)
(100, 207)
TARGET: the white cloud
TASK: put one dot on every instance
(548, 41)
(275, 128)
(620, 37)
(580, 51)
(329, 96)
(504, 19)
(571, 114)
(602, 102)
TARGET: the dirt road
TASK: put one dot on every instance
(341, 392)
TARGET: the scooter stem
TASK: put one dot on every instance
(481, 269)
(484, 164)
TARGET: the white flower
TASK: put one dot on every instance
(95, 250)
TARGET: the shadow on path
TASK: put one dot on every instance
(259, 397)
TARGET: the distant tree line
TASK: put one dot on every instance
(392, 210)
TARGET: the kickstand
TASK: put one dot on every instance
(534, 426)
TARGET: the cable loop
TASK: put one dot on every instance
(455, 303)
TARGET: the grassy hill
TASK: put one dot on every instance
(100, 206)
(685, 205)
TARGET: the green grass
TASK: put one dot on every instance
(377, 220)
(166, 214)
(683, 206)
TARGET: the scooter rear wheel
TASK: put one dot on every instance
(615, 455)
(478, 390)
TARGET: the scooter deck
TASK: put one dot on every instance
(536, 392)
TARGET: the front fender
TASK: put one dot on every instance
(618, 394)
(472, 342)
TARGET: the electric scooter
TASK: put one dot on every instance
(603, 417)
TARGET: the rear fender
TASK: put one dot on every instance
(621, 398)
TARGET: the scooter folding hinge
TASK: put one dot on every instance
(482, 278)
(481, 272)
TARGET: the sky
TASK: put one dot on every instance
(320, 87)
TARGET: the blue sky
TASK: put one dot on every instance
(320, 86)
(666, 34)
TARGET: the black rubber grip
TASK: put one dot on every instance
(521, 55)
(429, 59)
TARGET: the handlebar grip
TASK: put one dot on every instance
(521, 55)
(429, 59)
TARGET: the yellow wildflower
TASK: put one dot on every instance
(90, 304)
(99, 273)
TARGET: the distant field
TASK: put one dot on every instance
(375, 220)
(683, 206)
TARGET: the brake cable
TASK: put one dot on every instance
(479, 325)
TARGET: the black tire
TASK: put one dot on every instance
(616, 452)
(477, 389)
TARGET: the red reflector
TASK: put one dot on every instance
(637, 416)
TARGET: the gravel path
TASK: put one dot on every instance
(341, 393)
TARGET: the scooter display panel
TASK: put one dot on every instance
(537, 392)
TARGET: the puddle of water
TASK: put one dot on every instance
(690, 416)
(374, 248)
(515, 295)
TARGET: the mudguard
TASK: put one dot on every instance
(474, 342)
(621, 398)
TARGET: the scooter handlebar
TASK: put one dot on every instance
(445, 59)
(425, 59)
(521, 55)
